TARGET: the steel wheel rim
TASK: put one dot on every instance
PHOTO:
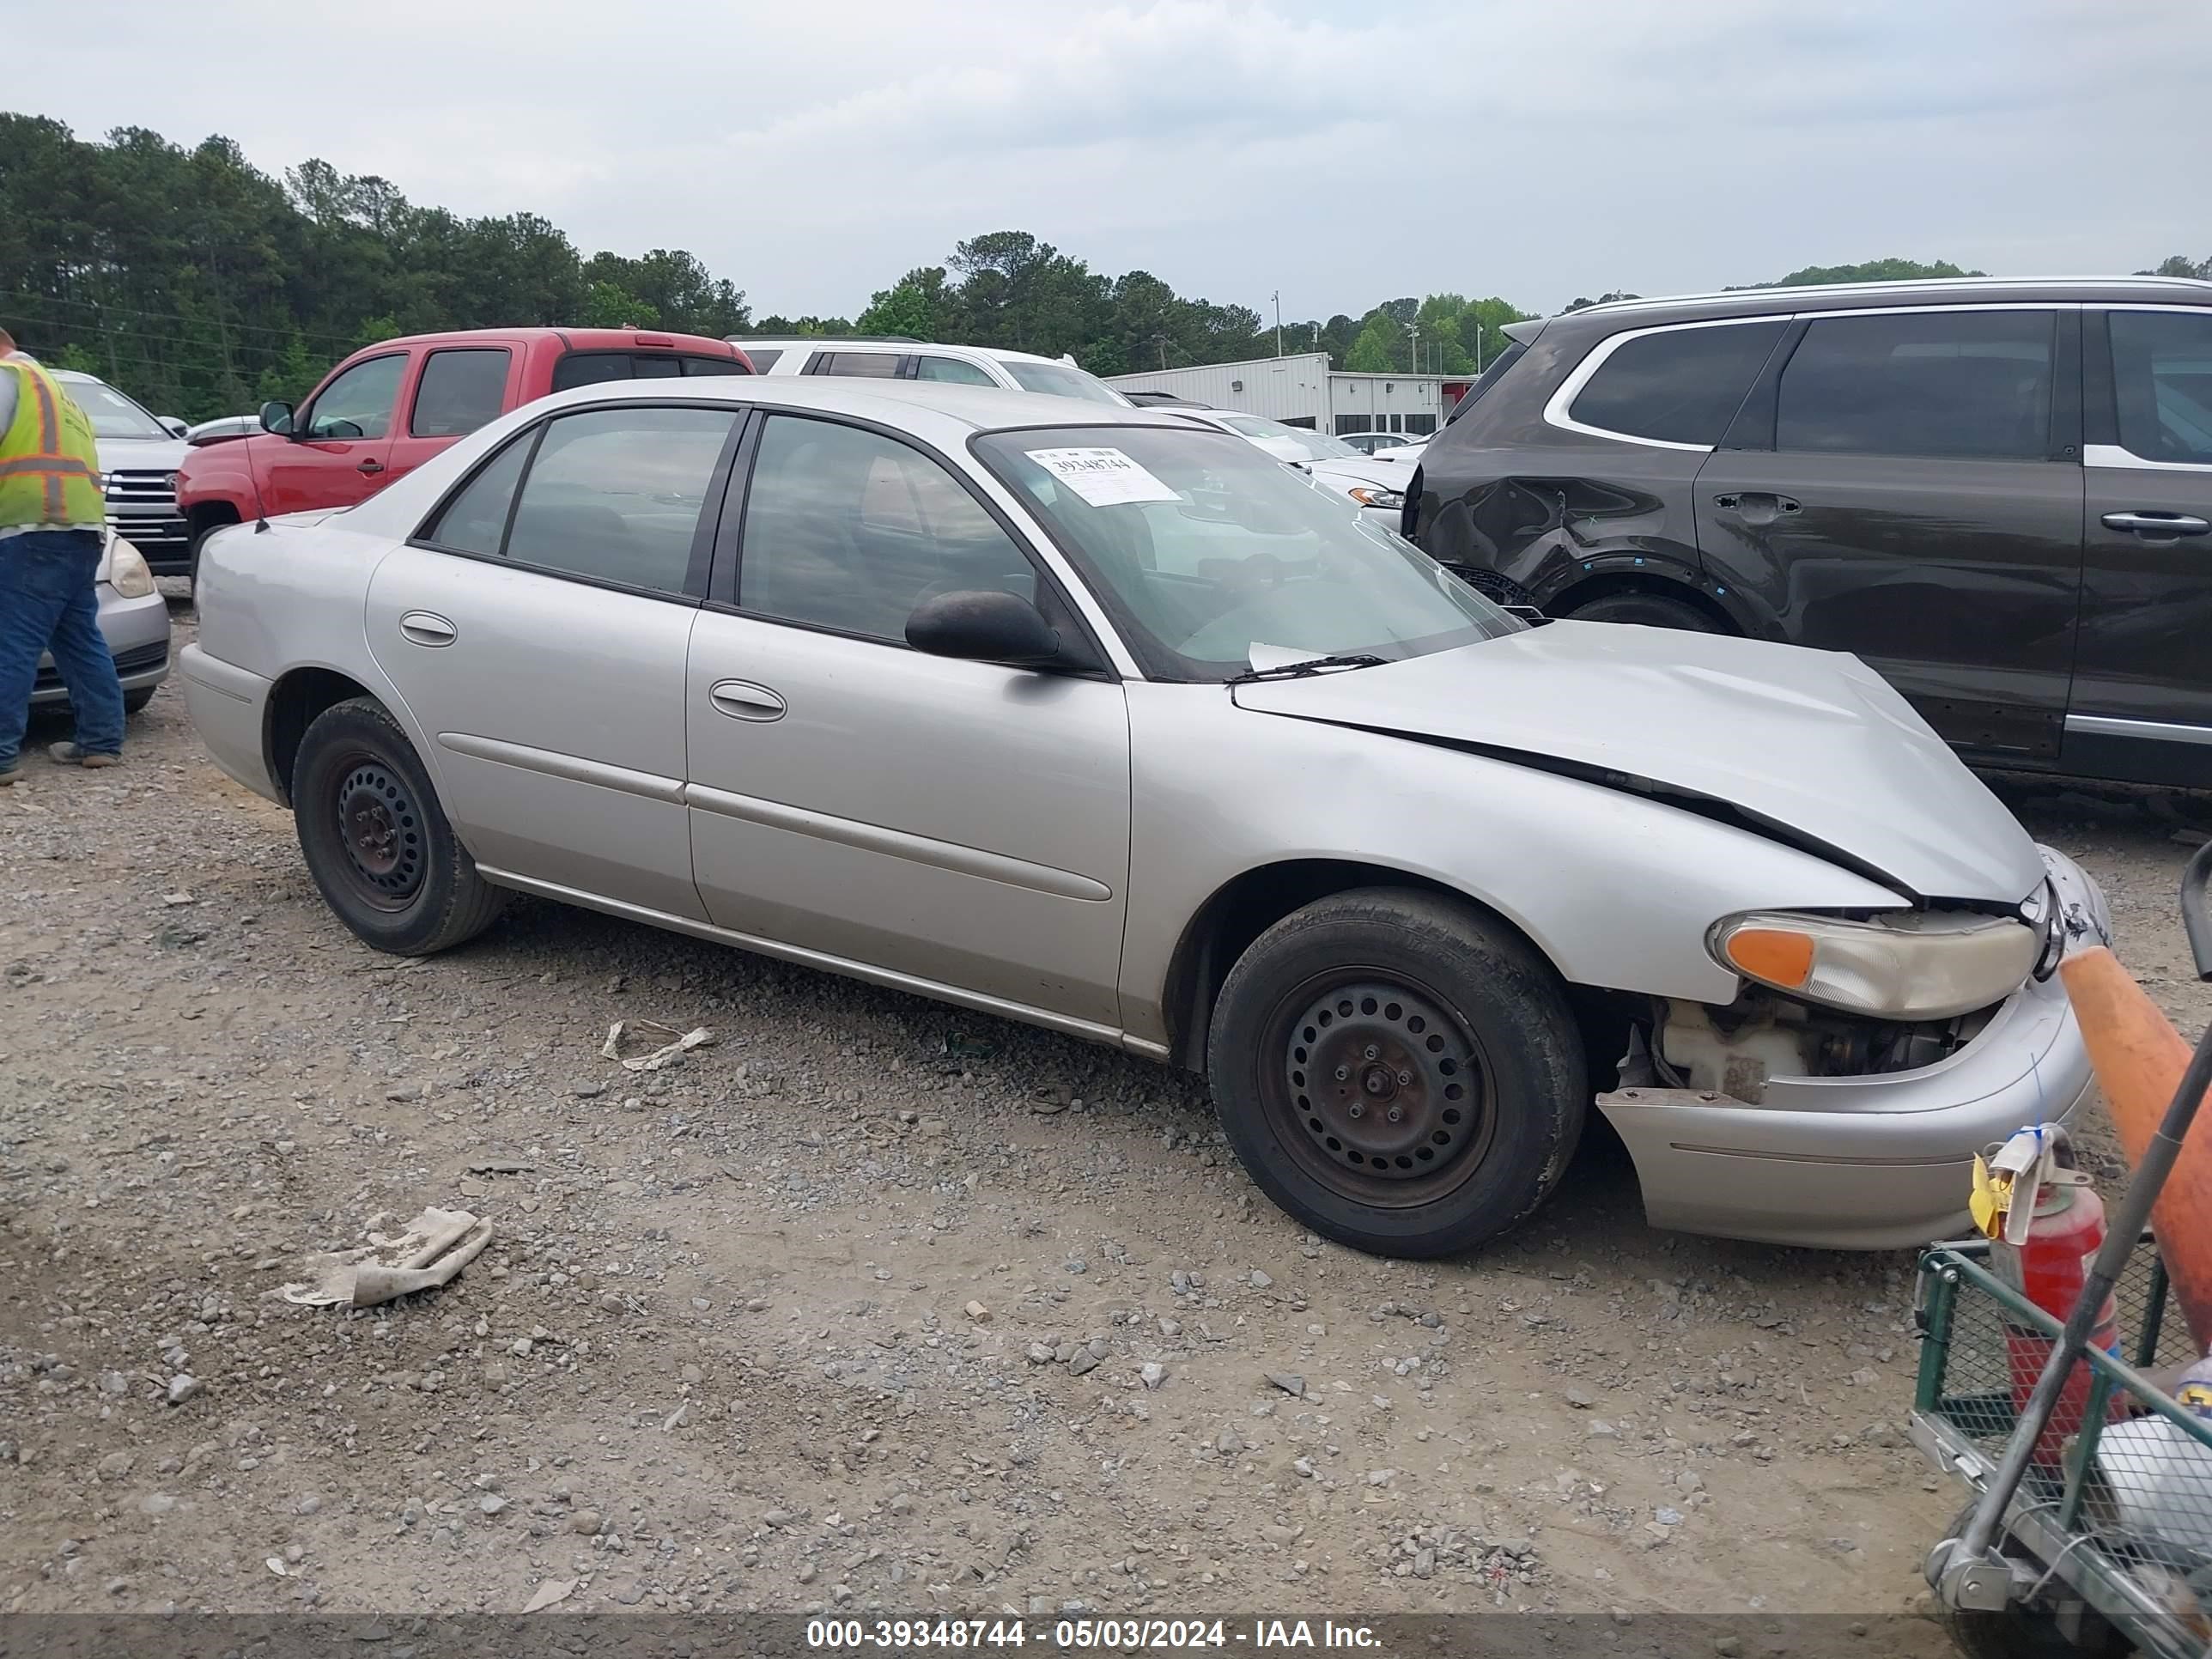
(1377, 1088)
(379, 828)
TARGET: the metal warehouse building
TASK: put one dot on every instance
(1303, 391)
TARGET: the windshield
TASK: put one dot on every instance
(1059, 381)
(1282, 440)
(113, 415)
(1213, 559)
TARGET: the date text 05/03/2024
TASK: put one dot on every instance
(1119, 1635)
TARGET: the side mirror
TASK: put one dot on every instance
(172, 426)
(277, 418)
(983, 627)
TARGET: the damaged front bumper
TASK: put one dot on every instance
(1867, 1162)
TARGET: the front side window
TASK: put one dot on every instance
(863, 365)
(951, 369)
(1954, 383)
(849, 530)
(359, 403)
(1060, 381)
(111, 414)
(1679, 385)
(2162, 383)
(459, 392)
(1213, 559)
(616, 494)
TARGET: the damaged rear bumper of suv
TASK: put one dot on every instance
(1879, 1162)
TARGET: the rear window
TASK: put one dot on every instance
(458, 391)
(1059, 381)
(1489, 378)
(592, 367)
(1679, 385)
(763, 357)
(694, 367)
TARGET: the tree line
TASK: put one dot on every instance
(203, 286)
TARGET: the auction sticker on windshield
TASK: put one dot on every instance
(1103, 477)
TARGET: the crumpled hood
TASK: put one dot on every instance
(1814, 742)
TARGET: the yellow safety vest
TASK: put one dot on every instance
(49, 460)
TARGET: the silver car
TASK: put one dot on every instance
(1098, 719)
(134, 620)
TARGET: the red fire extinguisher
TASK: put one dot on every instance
(2048, 1226)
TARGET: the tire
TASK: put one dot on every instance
(135, 701)
(1456, 1022)
(376, 841)
(2024, 1630)
(1652, 609)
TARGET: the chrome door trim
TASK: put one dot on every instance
(898, 844)
(2113, 455)
(574, 767)
(1089, 1029)
(2111, 726)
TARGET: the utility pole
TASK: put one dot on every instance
(1414, 329)
(1276, 297)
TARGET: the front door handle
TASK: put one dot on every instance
(2158, 525)
(425, 628)
(372, 466)
(741, 700)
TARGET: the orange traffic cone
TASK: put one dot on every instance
(2139, 1059)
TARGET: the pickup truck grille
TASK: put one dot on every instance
(142, 507)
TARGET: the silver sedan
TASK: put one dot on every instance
(1098, 719)
(134, 620)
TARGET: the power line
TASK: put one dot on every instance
(101, 309)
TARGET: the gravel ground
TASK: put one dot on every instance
(871, 1305)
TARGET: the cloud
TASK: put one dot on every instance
(1232, 147)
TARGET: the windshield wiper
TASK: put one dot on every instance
(1299, 671)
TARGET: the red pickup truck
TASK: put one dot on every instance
(391, 406)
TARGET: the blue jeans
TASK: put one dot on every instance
(49, 601)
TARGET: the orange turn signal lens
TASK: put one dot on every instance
(1772, 955)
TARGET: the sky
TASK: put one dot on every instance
(1340, 155)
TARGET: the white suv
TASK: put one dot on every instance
(916, 360)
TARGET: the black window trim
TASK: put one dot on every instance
(304, 421)
(703, 533)
(422, 372)
(2063, 439)
(729, 544)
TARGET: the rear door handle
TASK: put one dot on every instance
(1759, 506)
(2158, 524)
(372, 465)
(424, 628)
(741, 700)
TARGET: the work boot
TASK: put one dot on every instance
(68, 754)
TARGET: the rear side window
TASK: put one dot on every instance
(616, 494)
(475, 522)
(459, 392)
(951, 369)
(868, 365)
(1678, 386)
(2162, 383)
(761, 357)
(1965, 384)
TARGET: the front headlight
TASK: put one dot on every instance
(1375, 495)
(126, 571)
(1918, 965)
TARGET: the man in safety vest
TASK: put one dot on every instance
(54, 517)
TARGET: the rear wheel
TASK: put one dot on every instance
(1398, 1071)
(1651, 609)
(376, 841)
(2024, 1630)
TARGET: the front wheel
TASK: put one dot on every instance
(376, 841)
(1398, 1071)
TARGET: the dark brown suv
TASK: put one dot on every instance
(1996, 492)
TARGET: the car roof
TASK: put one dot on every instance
(887, 345)
(1614, 314)
(572, 339)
